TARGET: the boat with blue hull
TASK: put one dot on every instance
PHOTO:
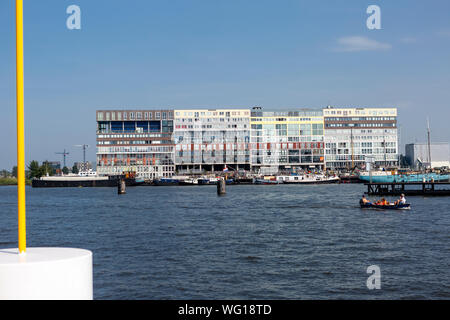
(166, 182)
(393, 177)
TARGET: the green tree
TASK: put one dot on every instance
(65, 170)
(14, 171)
(46, 169)
(74, 169)
(34, 170)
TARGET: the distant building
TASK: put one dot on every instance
(209, 139)
(135, 140)
(286, 140)
(417, 155)
(352, 134)
(55, 165)
(158, 143)
(83, 166)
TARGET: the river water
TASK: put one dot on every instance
(256, 242)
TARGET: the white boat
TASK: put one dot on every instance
(308, 179)
(189, 181)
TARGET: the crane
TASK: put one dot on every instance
(84, 146)
(64, 153)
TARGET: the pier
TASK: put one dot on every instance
(409, 188)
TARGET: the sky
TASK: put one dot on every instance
(219, 54)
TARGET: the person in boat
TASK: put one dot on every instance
(364, 200)
(382, 202)
(401, 200)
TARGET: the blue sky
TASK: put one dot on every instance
(204, 53)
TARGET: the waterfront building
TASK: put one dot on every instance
(135, 140)
(354, 134)
(160, 143)
(212, 140)
(286, 140)
(418, 155)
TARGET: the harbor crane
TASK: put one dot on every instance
(64, 154)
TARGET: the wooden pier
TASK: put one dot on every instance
(408, 188)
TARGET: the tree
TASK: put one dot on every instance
(46, 169)
(65, 170)
(34, 170)
(75, 169)
(14, 171)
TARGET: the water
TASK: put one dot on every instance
(256, 242)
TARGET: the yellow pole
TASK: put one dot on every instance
(20, 129)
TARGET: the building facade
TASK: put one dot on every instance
(207, 140)
(161, 143)
(353, 134)
(286, 141)
(418, 155)
(135, 140)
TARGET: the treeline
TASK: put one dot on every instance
(34, 170)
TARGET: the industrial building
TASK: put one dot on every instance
(418, 155)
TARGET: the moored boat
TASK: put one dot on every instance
(188, 182)
(394, 176)
(166, 182)
(265, 181)
(308, 179)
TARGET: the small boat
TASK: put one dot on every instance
(229, 181)
(308, 179)
(166, 182)
(189, 182)
(213, 180)
(203, 181)
(399, 206)
(265, 181)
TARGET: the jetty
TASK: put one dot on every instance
(408, 188)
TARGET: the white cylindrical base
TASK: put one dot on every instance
(46, 274)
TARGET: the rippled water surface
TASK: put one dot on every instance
(256, 242)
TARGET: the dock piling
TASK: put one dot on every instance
(221, 187)
(121, 187)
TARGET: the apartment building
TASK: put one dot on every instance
(160, 143)
(286, 140)
(352, 135)
(135, 140)
(209, 140)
